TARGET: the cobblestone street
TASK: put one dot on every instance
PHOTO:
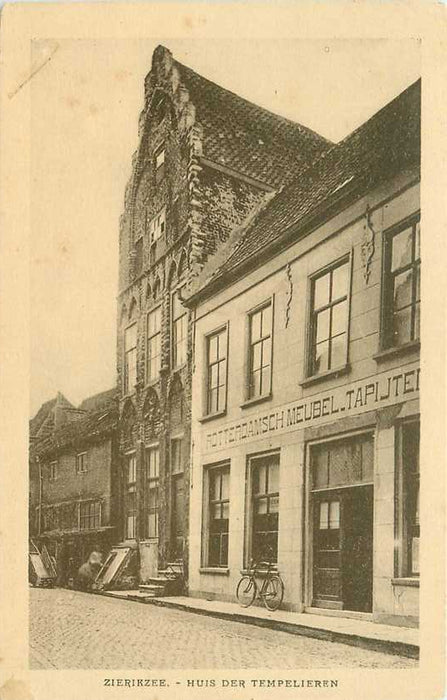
(70, 630)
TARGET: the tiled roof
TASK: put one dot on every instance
(43, 421)
(247, 138)
(377, 150)
(100, 421)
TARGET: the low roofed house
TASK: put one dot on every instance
(305, 396)
(74, 479)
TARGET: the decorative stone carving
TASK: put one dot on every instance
(289, 294)
(368, 244)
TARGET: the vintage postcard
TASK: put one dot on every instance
(222, 332)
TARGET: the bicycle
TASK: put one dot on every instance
(271, 590)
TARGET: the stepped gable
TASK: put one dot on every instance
(99, 418)
(248, 138)
(384, 145)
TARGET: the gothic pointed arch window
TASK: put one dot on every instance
(130, 351)
(151, 416)
(128, 443)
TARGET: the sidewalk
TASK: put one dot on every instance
(403, 641)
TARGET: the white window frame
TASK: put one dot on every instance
(84, 463)
(53, 469)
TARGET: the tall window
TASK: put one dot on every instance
(217, 371)
(130, 358)
(402, 299)
(159, 165)
(157, 225)
(177, 455)
(153, 343)
(53, 471)
(131, 517)
(219, 509)
(138, 256)
(329, 319)
(179, 330)
(260, 349)
(89, 515)
(265, 503)
(152, 481)
(409, 499)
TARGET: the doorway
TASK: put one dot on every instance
(342, 500)
(343, 552)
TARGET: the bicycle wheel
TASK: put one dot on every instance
(246, 591)
(273, 593)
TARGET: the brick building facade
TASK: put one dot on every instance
(73, 464)
(207, 159)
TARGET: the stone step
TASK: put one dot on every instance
(151, 589)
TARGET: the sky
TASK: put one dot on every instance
(85, 105)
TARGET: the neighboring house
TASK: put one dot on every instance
(305, 397)
(207, 159)
(74, 479)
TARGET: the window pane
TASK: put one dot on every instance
(324, 515)
(340, 278)
(402, 326)
(415, 555)
(225, 485)
(213, 347)
(261, 506)
(403, 284)
(265, 380)
(321, 291)
(401, 249)
(320, 467)
(256, 383)
(256, 356)
(267, 320)
(339, 318)
(260, 482)
(323, 325)
(213, 400)
(214, 375)
(266, 351)
(322, 357)
(338, 354)
(417, 248)
(273, 486)
(334, 515)
(417, 273)
(256, 326)
(225, 510)
(417, 322)
(274, 504)
(216, 511)
(131, 337)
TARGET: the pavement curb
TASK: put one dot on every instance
(387, 646)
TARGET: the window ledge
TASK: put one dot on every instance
(257, 399)
(330, 374)
(220, 571)
(211, 416)
(406, 581)
(388, 353)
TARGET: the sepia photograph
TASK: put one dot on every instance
(224, 417)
